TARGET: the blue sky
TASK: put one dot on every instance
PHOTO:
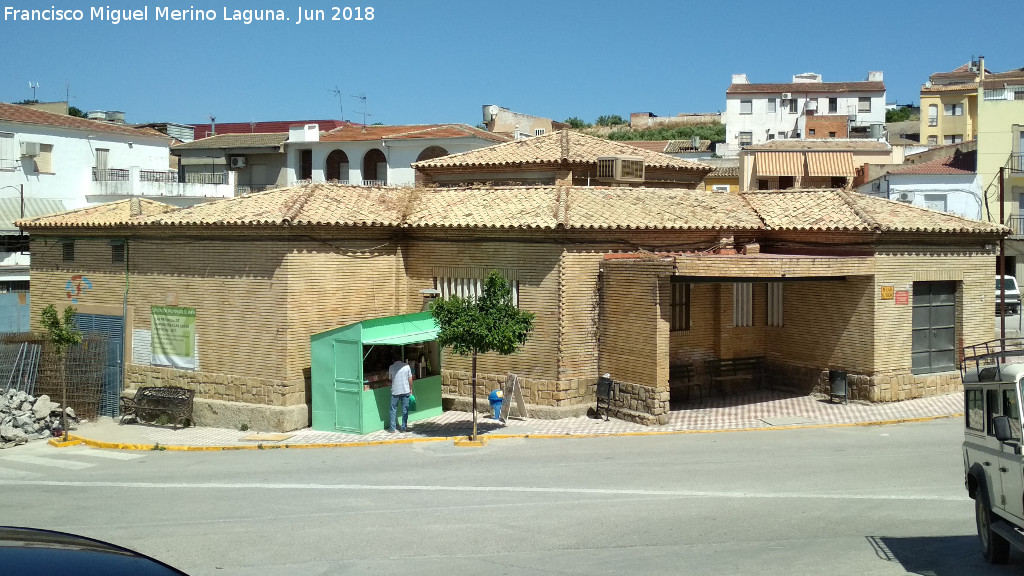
(424, 61)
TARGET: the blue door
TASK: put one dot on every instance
(112, 327)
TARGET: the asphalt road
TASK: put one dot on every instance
(874, 500)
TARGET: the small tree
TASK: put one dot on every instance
(577, 123)
(63, 335)
(610, 120)
(491, 323)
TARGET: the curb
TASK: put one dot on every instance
(463, 441)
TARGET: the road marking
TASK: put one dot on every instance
(93, 452)
(524, 489)
(12, 473)
(51, 462)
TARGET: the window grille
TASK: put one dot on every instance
(775, 303)
(680, 307)
(742, 304)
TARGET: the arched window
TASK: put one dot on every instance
(375, 168)
(336, 167)
(431, 152)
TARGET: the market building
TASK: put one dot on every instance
(224, 297)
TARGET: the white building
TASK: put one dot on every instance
(53, 162)
(948, 184)
(375, 155)
(803, 108)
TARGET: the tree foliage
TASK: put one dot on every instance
(714, 132)
(577, 123)
(76, 112)
(901, 114)
(491, 323)
(61, 332)
(610, 120)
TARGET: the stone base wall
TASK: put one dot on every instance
(224, 387)
(640, 404)
(555, 393)
(890, 387)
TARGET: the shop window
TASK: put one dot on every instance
(8, 151)
(742, 304)
(775, 303)
(933, 327)
(68, 251)
(680, 307)
(471, 288)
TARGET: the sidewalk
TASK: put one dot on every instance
(760, 411)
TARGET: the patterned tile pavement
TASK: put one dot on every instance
(762, 410)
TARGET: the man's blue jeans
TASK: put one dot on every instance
(405, 410)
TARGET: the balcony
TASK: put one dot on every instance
(1016, 224)
(1015, 164)
(112, 184)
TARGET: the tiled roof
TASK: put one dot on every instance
(723, 167)
(830, 145)
(268, 127)
(114, 214)
(235, 141)
(354, 133)
(806, 88)
(823, 210)
(580, 208)
(652, 145)
(951, 148)
(26, 115)
(965, 163)
(676, 146)
(557, 147)
(316, 204)
(524, 208)
(963, 87)
(1000, 79)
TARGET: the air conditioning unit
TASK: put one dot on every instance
(238, 161)
(30, 148)
(787, 96)
(905, 196)
(620, 169)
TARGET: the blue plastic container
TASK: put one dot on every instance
(495, 398)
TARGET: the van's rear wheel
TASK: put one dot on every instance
(994, 547)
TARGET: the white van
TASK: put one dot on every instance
(1012, 294)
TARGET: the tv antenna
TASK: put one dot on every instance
(33, 86)
(341, 102)
(362, 96)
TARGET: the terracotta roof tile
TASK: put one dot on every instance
(966, 87)
(523, 208)
(235, 141)
(355, 133)
(806, 87)
(965, 163)
(556, 147)
(845, 210)
(114, 214)
(26, 115)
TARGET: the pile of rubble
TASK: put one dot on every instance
(24, 418)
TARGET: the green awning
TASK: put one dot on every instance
(398, 330)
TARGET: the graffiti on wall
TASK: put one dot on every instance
(75, 286)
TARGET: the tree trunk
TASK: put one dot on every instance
(63, 396)
(473, 384)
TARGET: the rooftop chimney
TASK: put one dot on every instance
(740, 79)
(874, 76)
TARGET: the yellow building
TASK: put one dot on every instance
(1001, 145)
(949, 106)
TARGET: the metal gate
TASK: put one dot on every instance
(112, 328)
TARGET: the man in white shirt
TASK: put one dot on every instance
(401, 388)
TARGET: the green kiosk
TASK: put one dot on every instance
(349, 370)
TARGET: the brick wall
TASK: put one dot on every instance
(822, 125)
